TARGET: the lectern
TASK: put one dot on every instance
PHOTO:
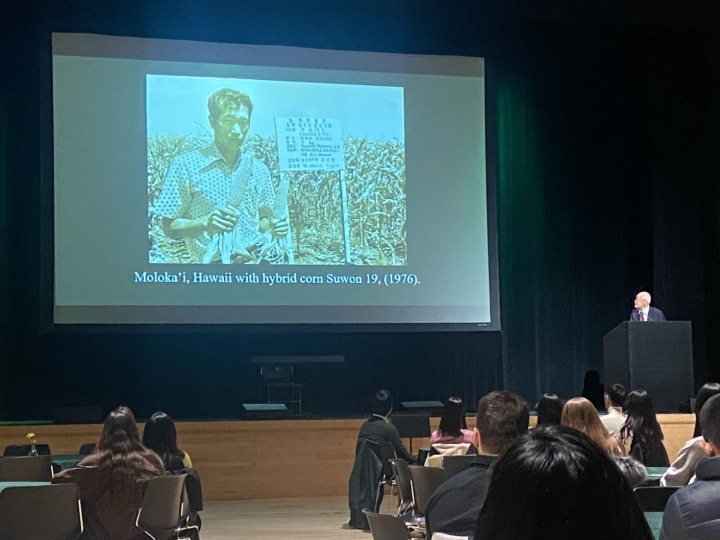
(654, 356)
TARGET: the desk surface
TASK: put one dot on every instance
(4, 485)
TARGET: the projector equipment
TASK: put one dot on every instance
(265, 411)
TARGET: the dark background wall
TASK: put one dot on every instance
(607, 130)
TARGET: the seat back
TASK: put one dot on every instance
(193, 489)
(26, 469)
(457, 464)
(87, 448)
(424, 482)
(402, 475)
(160, 513)
(387, 452)
(40, 513)
(653, 499)
(384, 527)
(24, 449)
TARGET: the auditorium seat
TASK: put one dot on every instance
(47, 512)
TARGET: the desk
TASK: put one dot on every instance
(654, 475)
(654, 519)
(4, 485)
(66, 461)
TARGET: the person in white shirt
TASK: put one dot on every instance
(682, 470)
(614, 400)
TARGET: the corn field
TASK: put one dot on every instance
(375, 185)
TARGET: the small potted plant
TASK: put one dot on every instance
(33, 451)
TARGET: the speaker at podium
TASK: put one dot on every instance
(654, 356)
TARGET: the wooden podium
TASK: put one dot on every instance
(654, 356)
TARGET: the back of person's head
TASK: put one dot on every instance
(382, 403)
(453, 417)
(502, 417)
(549, 410)
(555, 484)
(120, 453)
(641, 420)
(120, 433)
(581, 415)
(617, 394)
(706, 391)
(710, 422)
(160, 436)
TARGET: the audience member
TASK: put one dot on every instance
(682, 470)
(378, 427)
(502, 417)
(593, 390)
(642, 433)
(694, 511)
(579, 414)
(555, 484)
(160, 436)
(614, 401)
(453, 428)
(112, 480)
(633, 471)
(549, 410)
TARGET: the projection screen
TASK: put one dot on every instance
(208, 183)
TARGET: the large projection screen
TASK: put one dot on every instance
(206, 183)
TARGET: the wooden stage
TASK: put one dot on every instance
(273, 459)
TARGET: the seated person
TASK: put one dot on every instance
(694, 511)
(453, 428)
(581, 415)
(556, 484)
(378, 427)
(682, 470)
(549, 410)
(642, 433)
(502, 417)
(160, 436)
(614, 401)
(112, 481)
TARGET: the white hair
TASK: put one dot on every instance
(645, 296)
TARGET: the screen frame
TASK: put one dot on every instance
(47, 240)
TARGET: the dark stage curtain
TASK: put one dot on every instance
(4, 253)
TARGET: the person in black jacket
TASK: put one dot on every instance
(693, 512)
(378, 427)
(502, 417)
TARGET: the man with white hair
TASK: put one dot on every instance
(643, 312)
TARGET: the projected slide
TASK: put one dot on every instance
(247, 171)
(224, 184)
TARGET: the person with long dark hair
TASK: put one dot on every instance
(556, 484)
(682, 470)
(112, 480)
(642, 433)
(453, 427)
(160, 436)
(549, 410)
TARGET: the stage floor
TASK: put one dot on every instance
(317, 518)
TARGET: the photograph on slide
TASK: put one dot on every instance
(256, 171)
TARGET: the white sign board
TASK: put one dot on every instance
(309, 144)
